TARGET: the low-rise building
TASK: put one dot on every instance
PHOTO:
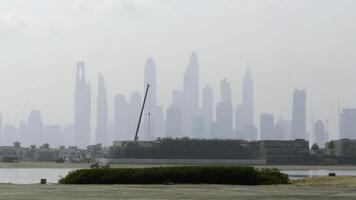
(284, 152)
(12, 153)
(70, 154)
(345, 147)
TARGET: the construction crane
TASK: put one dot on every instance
(139, 120)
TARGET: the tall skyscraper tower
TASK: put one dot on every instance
(23, 134)
(191, 94)
(10, 135)
(207, 109)
(348, 124)
(121, 119)
(133, 115)
(283, 129)
(82, 109)
(102, 113)
(244, 125)
(267, 127)
(239, 122)
(35, 128)
(222, 127)
(299, 115)
(320, 134)
(247, 98)
(150, 78)
(1, 128)
(173, 123)
(153, 124)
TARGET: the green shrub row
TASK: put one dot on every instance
(232, 175)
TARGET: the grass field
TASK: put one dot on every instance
(205, 192)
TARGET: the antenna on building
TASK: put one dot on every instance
(139, 120)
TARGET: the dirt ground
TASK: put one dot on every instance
(88, 192)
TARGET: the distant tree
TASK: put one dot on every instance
(17, 144)
(331, 147)
(45, 146)
(315, 147)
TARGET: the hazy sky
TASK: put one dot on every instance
(288, 43)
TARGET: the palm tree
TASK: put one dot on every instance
(331, 147)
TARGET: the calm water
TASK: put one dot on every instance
(296, 174)
(33, 175)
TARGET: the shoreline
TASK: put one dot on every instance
(43, 165)
(86, 165)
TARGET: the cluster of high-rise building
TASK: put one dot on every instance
(192, 113)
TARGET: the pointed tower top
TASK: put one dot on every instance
(150, 61)
(150, 65)
(248, 71)
(193, 60)
(101, 79)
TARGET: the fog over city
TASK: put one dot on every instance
(281, 45)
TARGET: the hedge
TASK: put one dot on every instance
(232, 175)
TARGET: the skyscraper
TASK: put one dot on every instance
(191, 94)
(121, 118)
(207, 109)
(224, 113)
(53, 135)
(68, 134)
(283, 129)
(35, 128)
(247, 98)
(133, 115)
(150, 78)
(320, 134)
(173, 123)
(1, 128)
(244, 125)
(82, 109)
(153, 124)
(9, 134)
(225, 88)
(267, 127)
(239, 122)
(102, 113)
(299, 115)
(348, 124)
(22, 132)
(177, 99)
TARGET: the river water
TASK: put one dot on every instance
(34, 175)
(298, 174)
(31, 175)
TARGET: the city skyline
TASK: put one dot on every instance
(209, 117)
(312, 50)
